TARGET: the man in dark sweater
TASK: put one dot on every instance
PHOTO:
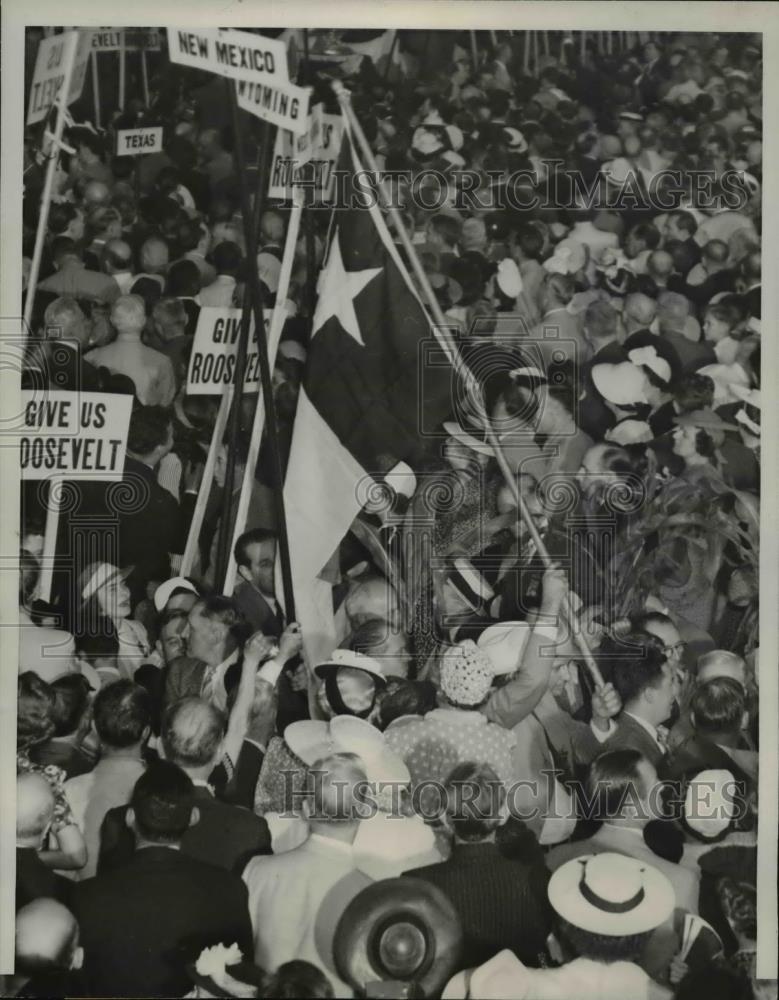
(501, 900)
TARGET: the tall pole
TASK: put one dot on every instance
(96, 89)
(444, 337)
(309, 212)
(122, 70)
(254, 302)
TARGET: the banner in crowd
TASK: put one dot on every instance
(74, 435)
(214, 348)
(132, 39)
(54, 56)
(317, 150)
(257, 64)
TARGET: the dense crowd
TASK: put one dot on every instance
(452, 797)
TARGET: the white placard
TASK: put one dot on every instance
(51, 64)
(238, 55)
(325, 134)
(139, 141)
(75, 435)
(214, 349)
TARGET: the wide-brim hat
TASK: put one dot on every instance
(96, 575)
(623, 384)
(163, 592)
(706, 420)
(611, 894)
(310, 740)
(504, 643)
(350, 658)
(400, 930)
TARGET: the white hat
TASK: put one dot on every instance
(709, 804)
(401, 479)
(350, 658)
(508, 278)
(611, 894)
(622, 384)
(629, 431)
(617, 171)
(648, 357)
(311, 740)
(504, 643)
(95, 576)
(724, 378)
(163, 592)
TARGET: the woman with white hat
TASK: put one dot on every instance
(104, 605)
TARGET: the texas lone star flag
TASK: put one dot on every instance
(365, 397)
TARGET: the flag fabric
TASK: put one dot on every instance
(368, 400)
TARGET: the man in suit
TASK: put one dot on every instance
(501, 901)
(648, 686)
(226, 835)
(554, 296)
(142, 924)
(624, 794)
(255, 560)
(157, 525)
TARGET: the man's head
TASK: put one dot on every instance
(104, 223)
(255, 557)
(162, 805)
(192, 734)
(600, 322)
(227, 258)
(660, 266)
(672, 312)
(117, 257)
(644, 680)
(64, 320)
(122, 716)
(681, 226)
(171, 642)
(128, 314)
(642, 237)
(714, 256)
(46, 939)
(663, 628)
(556, 291)
(474, 802)
(211, 630)
(169, 318)
(638, 312)
(95, 193)
(71, 704)
(622, 786)
(271, 227)
(332, 803)
(693, 391)
(154, 256)
(34, 810)
(64, 252)
(718, 709)
(721, 663)
(150, 435)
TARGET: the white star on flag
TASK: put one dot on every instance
(337, 291)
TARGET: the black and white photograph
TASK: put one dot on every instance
(389, 549)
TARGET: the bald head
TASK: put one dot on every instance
(660, 265)
(672, 312)
(192, 733)
(34, 809)
(117, 256)
(639, 311)
(65, 320)
(96, 193)
(715, 253)
(721, 663)
(46, 938)
(154, 255)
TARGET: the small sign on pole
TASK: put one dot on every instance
(320, 152)
(139, 141)
(59, 56)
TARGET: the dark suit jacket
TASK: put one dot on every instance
(502, 902)
(257, 611)
(156, 526)
(225, 836)
(142, 923)
(34, 880)
(183, 679)
(630, 735)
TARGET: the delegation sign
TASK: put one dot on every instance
(214, 349)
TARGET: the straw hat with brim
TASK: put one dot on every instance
(311, 740)
(504, 644)
(96, 575)
(623, 384)
(163, 592)
(454, 430)
(706, 420)
(350, 658)
(611, 894)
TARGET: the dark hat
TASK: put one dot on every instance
(399, 931)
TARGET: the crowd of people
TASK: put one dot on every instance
(459, 800)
